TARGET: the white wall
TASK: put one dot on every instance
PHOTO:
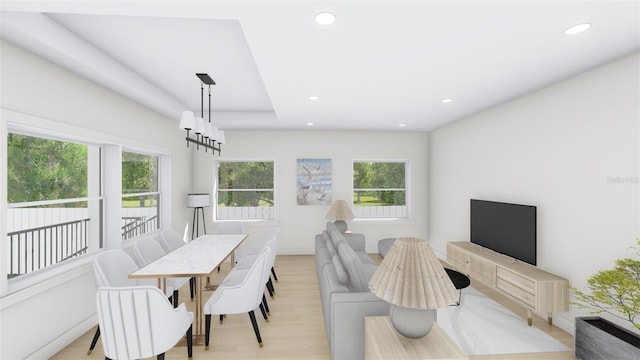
(40, 319)
(570, 149)
(299, 224)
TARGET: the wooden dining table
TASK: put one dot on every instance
(197, 258)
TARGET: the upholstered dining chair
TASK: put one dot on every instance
(139, 322)
(170, 240)
(112, 268)
(247, 260)
(146, 250)
(243, 294)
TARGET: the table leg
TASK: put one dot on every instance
(198, 309)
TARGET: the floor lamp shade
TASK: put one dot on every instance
(198, 200)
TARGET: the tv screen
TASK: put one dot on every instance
(509, 229)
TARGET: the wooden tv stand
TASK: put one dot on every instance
(533, 288)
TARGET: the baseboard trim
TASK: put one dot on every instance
(65, 339)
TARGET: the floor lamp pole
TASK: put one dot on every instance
(195, 226)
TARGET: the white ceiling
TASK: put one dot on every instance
(381, 64)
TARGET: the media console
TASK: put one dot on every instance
(534, 289)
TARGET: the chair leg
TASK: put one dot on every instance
(221, 318)
(207, 330)
(270, 284)
(273, 271)
(175, 298)
(266, 306)
(264, 313)
(160, 356)
(192, 287)
(190, 341)
(94, 341)
(270, 289)
(255, 327)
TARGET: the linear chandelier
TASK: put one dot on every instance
(206, 135)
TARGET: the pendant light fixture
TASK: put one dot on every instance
(205, 133)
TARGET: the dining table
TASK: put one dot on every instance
(197, 258)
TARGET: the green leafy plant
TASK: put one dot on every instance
(614, 291)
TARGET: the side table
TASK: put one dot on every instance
(382, 341)
(459, 280)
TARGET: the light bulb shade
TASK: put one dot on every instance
(199, 129)
(198, 200)
(207, 129)
(411, 276)
(340, 211)
(215, 133)
(221, 135)
(187, 120)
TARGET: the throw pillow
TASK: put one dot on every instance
(340, 271)
(337, 237)
(331, 248)
(358, 276)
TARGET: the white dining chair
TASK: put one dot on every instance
(112, 268)
(139, 322)
(243, 294)
(170, 240)
(247, 260)
(146, 250)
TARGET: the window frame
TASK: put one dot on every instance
(401, 212)
(216, 209)
(94, 209)
(157, 193)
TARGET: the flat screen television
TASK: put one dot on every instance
(509, 229)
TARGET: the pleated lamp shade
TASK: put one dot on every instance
(340, 211)
(412, 276)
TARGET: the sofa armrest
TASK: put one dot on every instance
(356, 241)
(348, 311)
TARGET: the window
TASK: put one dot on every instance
(379, 189)
(140, 195)
(54, 202)
(244, 190)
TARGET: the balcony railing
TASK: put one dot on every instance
(36, 248)
(138, 225)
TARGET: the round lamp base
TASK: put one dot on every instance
(412, 323)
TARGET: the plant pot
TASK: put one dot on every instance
(599, 339)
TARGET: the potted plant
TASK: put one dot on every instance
(616, 292)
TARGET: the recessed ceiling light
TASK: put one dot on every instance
(575, 29)
(325, 18)
(402, 125)
(314, 98)
(309, 124)
(446, 101)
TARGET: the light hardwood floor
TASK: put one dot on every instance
(295, 329)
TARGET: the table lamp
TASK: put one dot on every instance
(412, 279)
(340, 213)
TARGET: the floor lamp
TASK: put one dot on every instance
(198, 202)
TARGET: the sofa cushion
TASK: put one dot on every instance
(331, 248)
(358, 274)
(340, 270)
(337, 237)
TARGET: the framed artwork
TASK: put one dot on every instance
(313, 181)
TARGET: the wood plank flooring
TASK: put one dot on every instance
(295, 329)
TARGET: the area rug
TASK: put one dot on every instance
(481, 326)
